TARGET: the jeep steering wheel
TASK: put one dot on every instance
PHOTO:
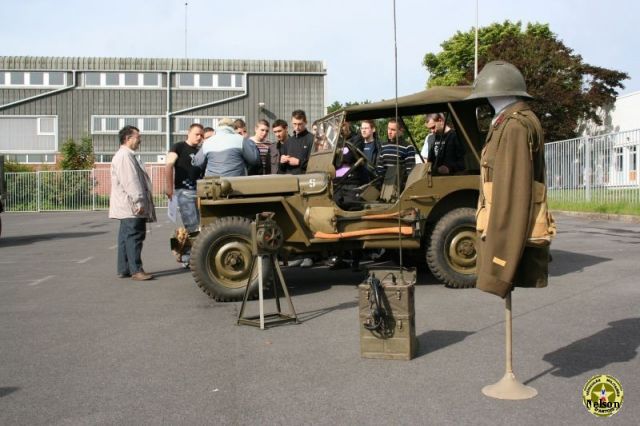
(359, 155)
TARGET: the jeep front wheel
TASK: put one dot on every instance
(221, 259)
(451, 254)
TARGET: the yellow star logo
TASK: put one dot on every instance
(602, 394)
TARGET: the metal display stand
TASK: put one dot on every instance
(509, 387)
(266, 240)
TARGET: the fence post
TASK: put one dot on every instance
(38, 191)
(93, 189)
(587, 160)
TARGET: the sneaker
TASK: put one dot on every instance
(306, 263)
(141, 276)
(295, 262)
(127, 275)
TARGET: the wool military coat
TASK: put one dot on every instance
(512, 158)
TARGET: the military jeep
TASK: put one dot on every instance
(432, 218)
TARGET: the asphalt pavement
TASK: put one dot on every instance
(79, 346)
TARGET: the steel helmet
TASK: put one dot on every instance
(499, 78)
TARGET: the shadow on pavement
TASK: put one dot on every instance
(565, 262)
(617, 343)
(4, 391)
(434, 340)
(30, 239)
(169, 272)
(310, 315)
(314, 280)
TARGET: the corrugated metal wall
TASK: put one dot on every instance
(280, 93)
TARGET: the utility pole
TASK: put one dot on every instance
(185, 29)
(475, 73)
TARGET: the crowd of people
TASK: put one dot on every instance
(228, 150)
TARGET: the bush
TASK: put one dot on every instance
(77, 157)
(12, 166)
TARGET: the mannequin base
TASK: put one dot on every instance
(509, 388)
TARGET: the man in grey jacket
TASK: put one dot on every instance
(131, 202)
(226, 153)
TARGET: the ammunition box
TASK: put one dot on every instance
(398, 338)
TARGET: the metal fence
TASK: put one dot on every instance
(69, 190)
(595, 169)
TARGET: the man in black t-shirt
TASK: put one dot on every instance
(446, 155)
(295, 152)
(182, 183)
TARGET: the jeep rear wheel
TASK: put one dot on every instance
(221, 259)
(451, 254)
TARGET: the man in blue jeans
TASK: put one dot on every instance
(131, 202)
(182, 176)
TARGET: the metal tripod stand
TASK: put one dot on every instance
(266, 240)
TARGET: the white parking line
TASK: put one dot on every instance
(113, 247)
(85, 260)
(41, 280)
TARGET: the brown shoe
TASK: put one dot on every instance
(141, 276)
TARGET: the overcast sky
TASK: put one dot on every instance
(353, 37)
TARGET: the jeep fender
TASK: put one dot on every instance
(286, 218)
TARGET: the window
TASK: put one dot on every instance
(101, 124)
(32, 78)
(104, 158)
(29, 134)
(36, 78)
(618, 158)
(17, 78)
(186, 80)
(206, 80)
(181, 124)
(209, 80)
(151, 124)
(224, 80)
(150, 79)
(123, 79)
(633, 158)
(208, 121)
(46, 126)
(112, 79)
(111, 124)
(92, 79)
(130, 121)
(238, 80)
(130, 79)
(97, 125)
(57, 78)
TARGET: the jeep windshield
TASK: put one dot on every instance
(327, 133)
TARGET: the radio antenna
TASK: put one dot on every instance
(398, 174)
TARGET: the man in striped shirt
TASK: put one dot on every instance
(396, 151)
(263, 144)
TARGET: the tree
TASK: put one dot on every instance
(334, 107)
(567, 91)
(77, 157)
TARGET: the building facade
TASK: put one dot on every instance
(44, 101)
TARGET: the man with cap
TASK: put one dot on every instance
(512, 160)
